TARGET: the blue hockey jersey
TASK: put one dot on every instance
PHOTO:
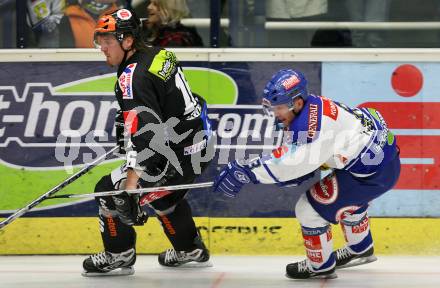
(328, 133)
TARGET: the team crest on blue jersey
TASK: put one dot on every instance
(126, 81)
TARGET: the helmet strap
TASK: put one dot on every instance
(125, 56)
(121, 39)
(292, 108)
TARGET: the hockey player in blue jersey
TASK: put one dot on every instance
(318, 132)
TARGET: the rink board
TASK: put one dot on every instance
(246, 236)
(76, 88)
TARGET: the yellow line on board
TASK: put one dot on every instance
(247, 236)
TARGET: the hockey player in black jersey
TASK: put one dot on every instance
(161, 128)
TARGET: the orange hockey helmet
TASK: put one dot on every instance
(119, 23)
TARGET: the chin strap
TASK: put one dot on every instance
(295, 113)
(281, 125)
(120, 39)
(291, 108)
(125, 55)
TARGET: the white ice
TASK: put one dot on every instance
(227, 272)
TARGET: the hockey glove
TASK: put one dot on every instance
(232, 178)
(119, 125)
(129, 210)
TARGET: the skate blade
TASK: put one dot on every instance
(192, 264)
(124, 271)
(358, 261)
(327, 276)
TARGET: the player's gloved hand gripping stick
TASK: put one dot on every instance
(236, 174)
(232, 178)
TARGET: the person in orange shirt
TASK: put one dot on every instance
(79, 21)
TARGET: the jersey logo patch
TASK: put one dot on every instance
(131, 121)
(124, 14)
(164, 65)
(360, 227)
(280, 151)
(312, 242)
(314, 256)
(313, 121)
(126, 81)
(329, 108)
(326, 190)
(290, 82)
(152, 196)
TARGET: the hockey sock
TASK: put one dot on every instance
(179, 227)
(116, 236)
(356, 228)
(319, 247)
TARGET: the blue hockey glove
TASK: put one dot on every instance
(232, 178)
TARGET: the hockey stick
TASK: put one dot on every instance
(136, 191)
(55, 189)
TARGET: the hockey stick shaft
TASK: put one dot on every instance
(55, 189)
(137, 191)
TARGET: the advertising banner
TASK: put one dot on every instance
(56, 116)
(407, 95)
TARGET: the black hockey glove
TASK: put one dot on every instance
(119, 125)
(129, 210)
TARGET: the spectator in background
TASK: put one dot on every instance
(368, 11)
(163, 27)
(43, 17)
(78, 25)
(294, 10)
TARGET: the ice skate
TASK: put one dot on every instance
(346, 258)
(303, 270)
(196, 258)
(110, 264)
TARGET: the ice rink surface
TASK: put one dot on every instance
(227, 271)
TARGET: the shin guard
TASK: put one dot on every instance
(319, 247)
(117, 237)
(356, 228)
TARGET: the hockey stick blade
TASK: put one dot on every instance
(55, 189)
(137, 191)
